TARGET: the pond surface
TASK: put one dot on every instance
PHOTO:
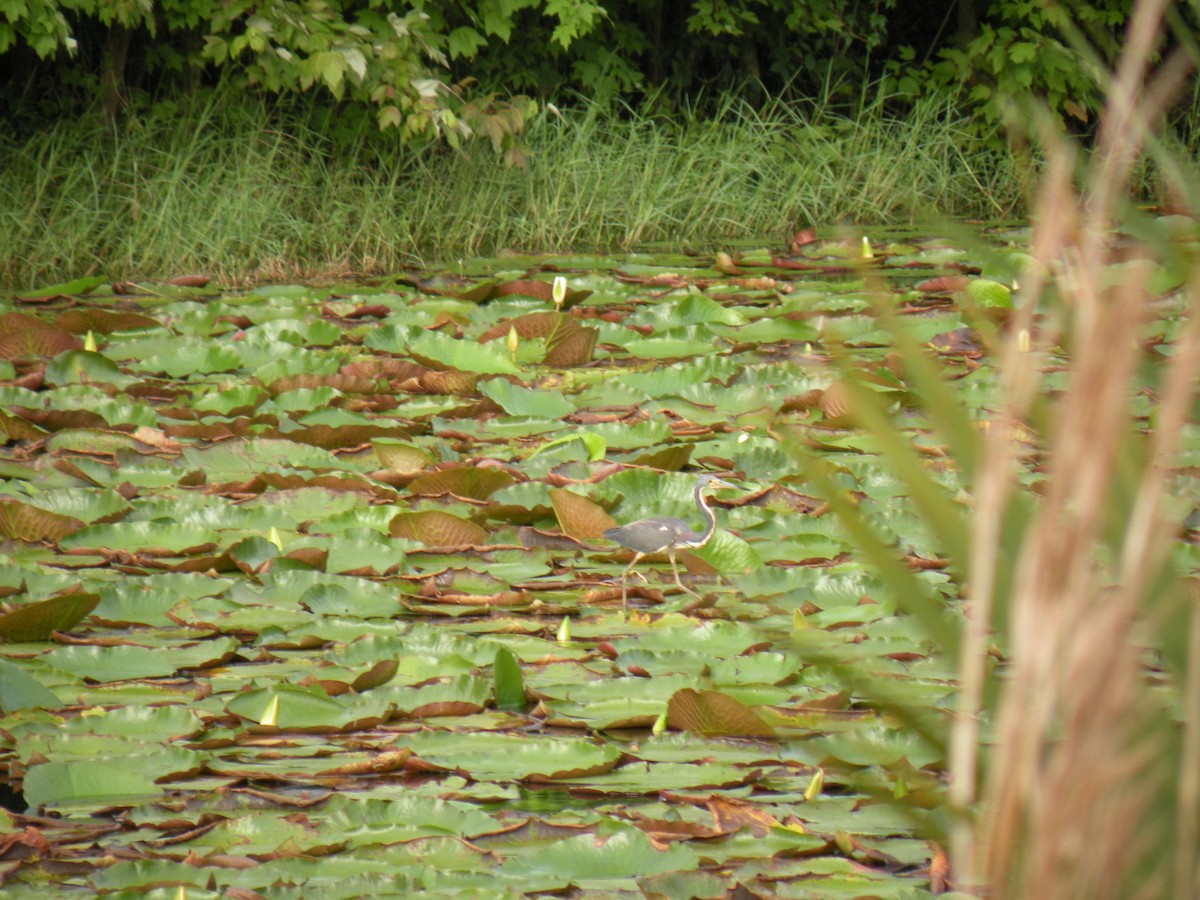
(308, 585)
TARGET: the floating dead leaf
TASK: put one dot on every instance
(526, 287)
(731, 814)
(23, 335)
(801, 402)
(451, 381)
(581, 772)
(528, 326)
(835, 404)
(959, 342)
(752, 284)
(435, 528)
(478, 294)
(61, 419)
(470, 482)
(668, 459)
(311, 556)
(14, 428)
(534, 537)
(153, 437)
(387, 367)
(345, 383)
(570, 344)
(28, 523)
(101, 321)
(666, 830)
(579, 517)
(662, 279)
(837, 700)
(944, 284)
(539, 290)
(446, 323)
(196, 281)
(371, 311)
(342, 437)
(445, 708)
(68, 467)
(403, 458)
(378, 763)
(25, 844)
(712, 714)
(282, 482)
(801, 238)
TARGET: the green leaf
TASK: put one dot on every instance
(287, 706)
(464, 356)
(38, 621)
(1022, 52)
(586, 859)
(124, 661)
(464, 42)
(597, 446)
(518, 401)
(81, 366)
(371, 823)
(68, 288)
(85, 781)
(989, 294)
(19, 690)
(508, 684)
(146, 537)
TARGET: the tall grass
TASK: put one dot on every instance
(1074, 768)
(245, 189)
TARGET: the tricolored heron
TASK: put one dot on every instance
(667, 533)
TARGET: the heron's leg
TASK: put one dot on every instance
(675, 571)
(625, 580)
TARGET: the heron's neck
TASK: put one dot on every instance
(710, 520)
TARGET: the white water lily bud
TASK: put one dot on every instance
(815, 784)
(559, 292)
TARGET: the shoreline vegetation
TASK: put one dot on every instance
(247, 189)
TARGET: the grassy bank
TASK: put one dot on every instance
(239, 188)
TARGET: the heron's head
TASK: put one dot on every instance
(713, 480)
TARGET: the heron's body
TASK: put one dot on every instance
(667, 533)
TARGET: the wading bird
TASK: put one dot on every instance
(667, 533)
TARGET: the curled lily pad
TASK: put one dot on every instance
(38, 621)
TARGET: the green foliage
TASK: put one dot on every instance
(1025, 51)
(392, 64)
(447, 71)
(414, 69)
(671, 54)
(38, 23)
